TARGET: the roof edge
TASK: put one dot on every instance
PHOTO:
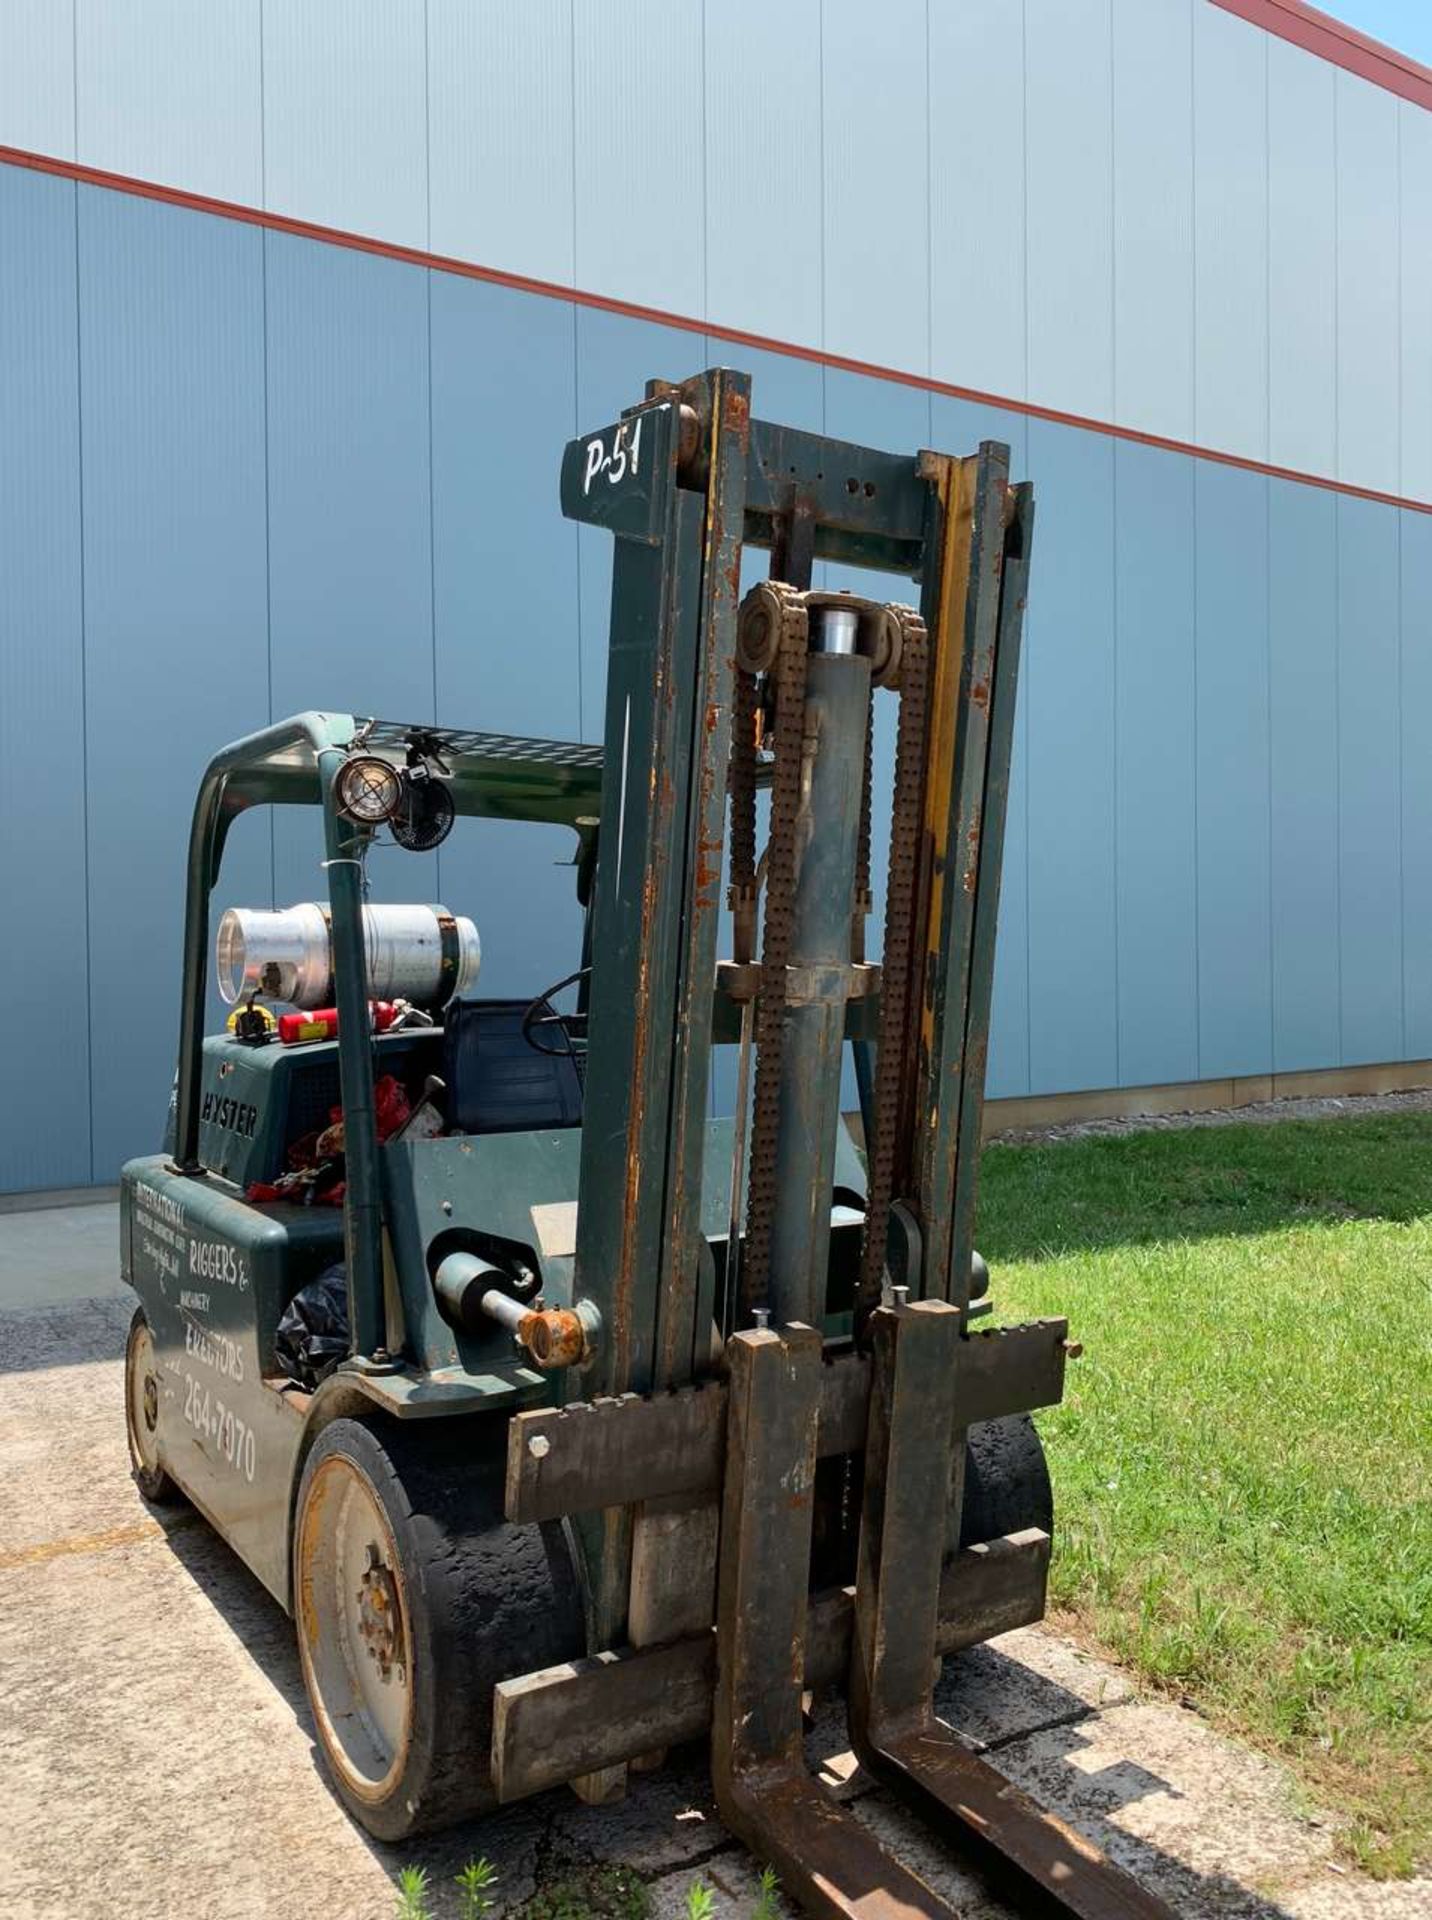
(711, 331)
(1339, 44)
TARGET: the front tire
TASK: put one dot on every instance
(413, 1597)
(141, 1415)
(1006, 1481)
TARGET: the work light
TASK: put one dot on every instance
(368, 789)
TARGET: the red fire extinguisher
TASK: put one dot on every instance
(322, 1023)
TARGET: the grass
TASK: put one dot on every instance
(603, 1892)
(607, 1891)
(1243, 1462)
(474, 1885)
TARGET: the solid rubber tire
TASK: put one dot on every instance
(1006, 1481)
(485, 1601)
(154, 1483)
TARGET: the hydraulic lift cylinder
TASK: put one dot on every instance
(819, 978)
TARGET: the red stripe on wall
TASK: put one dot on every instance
(734, 336)
(1333, 40)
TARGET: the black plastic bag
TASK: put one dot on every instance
(312, 1334)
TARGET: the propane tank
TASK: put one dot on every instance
(423, 954)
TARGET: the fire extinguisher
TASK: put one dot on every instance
(322, 1024)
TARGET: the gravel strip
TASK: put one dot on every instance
(1266, 1113)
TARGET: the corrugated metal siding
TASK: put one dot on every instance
(1369, 781)
(505, 595)
(501, 140)
(1230, 87)
(345, 115)
(1155, 805)
(1302, 261)
(1416, 670)
(977, 196)
(1069, 225)
(1152, 51)
(1070, 665)
(167, 90)
(349, 512)
(638, 152)
(44, 1119)
(37, 76)
(1302, 643)
(1140, 210)
(764, 187)
(1369, 246)
(875, 213)
(1415, 286)
(1231, 718)
(1217, 860)
(175, 606)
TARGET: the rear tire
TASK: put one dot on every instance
(141, 1415)
(413, 1597)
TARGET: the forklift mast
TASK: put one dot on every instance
(706, 692)
(685, 482)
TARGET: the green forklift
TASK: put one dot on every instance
(570, 1422)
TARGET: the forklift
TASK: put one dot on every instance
(570, 1422)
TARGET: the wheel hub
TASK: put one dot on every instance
(380, 1624)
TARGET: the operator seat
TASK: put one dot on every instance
(504, 1072)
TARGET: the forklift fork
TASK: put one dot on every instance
(1041, 1861)
(824, 1856)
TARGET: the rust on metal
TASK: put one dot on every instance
(590, 1714)
(723, 401)
(788, 668)
(892, 1088)
(587, 1715)
(1039, 1858)
(622, 1449)
(955, 490)
(611, 1707)
(824, 1857)
(554, 1338)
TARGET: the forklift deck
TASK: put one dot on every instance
(570, 1421)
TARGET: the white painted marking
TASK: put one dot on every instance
(621, 810)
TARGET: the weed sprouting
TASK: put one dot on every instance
(413, 1894)
(474, 1885)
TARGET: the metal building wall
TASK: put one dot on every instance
(1181, 223)
(246, 470)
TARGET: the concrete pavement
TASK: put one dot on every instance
(160, 1756)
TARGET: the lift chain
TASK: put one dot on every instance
(788, 671)
(896, 975)
(741, 784)
(861, 911)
